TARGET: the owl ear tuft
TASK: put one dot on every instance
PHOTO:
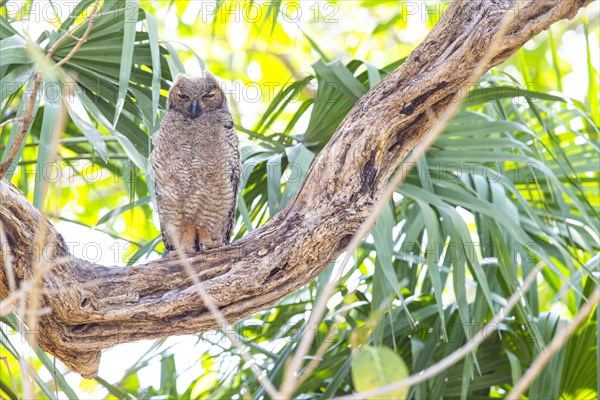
(180, 77)
(209, 76)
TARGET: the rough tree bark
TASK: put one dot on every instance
(94, 307)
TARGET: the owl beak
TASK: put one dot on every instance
(195, 110)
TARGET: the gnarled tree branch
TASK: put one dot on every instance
(95, 307)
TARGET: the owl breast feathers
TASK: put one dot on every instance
(196, 166)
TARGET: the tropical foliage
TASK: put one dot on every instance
(511, 184)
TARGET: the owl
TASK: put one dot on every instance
(195, 165)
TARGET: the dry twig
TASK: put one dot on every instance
(11, 121)
(27, 117)
(320, 308)
(338, 194)
(220, 318)
(555, 345)
(459, 354)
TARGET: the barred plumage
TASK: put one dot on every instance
(196, 166)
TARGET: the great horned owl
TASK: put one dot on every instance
(196, 166)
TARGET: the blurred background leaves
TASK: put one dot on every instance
(511, 183)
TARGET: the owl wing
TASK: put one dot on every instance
(155, 171)
(234, 169)
(160, 205)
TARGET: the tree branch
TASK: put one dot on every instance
(95, 307)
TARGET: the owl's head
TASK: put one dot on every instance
(194, 96)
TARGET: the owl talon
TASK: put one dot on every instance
(211, 245)
(175, 254)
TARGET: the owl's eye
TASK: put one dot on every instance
(208, 96)
(183, 96)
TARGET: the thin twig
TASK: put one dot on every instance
(9, 303)
(118, 10)
(40, 265)
(459, 354)
(24, 285)
(10, 375)
(7, 260)
(27, 117)
(54, 374)
(70, 32)
(42, 231)
(80, 42)
(314, 363)
(11, 121)
(220, 318)
(293, 366)
(555, 345)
